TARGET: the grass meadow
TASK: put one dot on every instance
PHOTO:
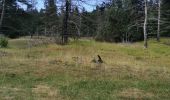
(66, 72)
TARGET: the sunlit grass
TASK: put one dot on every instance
(56, 72)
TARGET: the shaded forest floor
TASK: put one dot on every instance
(55, 72)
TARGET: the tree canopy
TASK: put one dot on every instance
(112, 21)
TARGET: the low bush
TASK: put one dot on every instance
(3, 42)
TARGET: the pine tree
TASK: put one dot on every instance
(13, 20)
(51, 17)
(165, 20)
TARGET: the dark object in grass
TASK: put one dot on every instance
(99, 60)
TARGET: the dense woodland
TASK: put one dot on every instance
(112, 20)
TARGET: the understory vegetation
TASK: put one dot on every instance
(3, 42)
(55, 72)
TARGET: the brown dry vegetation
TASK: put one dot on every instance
(55, 72)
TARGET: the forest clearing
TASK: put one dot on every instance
(84, 49)
(57, 72)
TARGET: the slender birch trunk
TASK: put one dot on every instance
(145, 25)
(3, 12)
(159, 17)
(80, 22)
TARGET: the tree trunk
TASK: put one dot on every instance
(159, 16)
(126, 37)
(80, 22)
(45, 31)
(65, 24)
(3, 12)
(145, 26)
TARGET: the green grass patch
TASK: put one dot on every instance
(56, 72)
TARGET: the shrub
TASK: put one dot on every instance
(3, 42)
